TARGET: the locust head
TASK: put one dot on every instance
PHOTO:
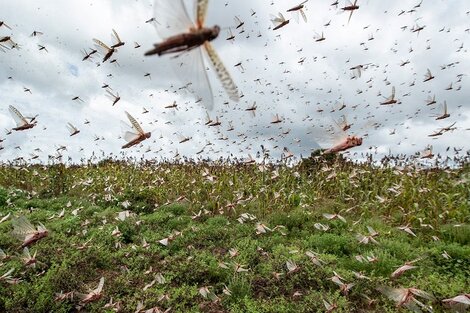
(214, 32)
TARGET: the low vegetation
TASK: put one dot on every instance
(214, 237)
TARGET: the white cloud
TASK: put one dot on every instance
(272, 77)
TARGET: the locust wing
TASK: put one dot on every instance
(328, 136)
(201, 12)
(128, 132)
(222, 73)
(392, 97)
(17, 116)
(192, 72)
(72, 129)
(394, 294)
(303, 15)
(101, 46)
(277, 20)
(115, 37)
(172, 17)
(3, 219)
(22, 227)
(135, 124)
(100, 286)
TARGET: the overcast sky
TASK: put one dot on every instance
(287, 72)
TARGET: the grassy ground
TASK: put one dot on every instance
(201, 210)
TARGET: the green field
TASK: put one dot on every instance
(240, 230)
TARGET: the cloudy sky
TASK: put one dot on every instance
(286, 72)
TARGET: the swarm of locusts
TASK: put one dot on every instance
(324, 235)
(318, 233)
